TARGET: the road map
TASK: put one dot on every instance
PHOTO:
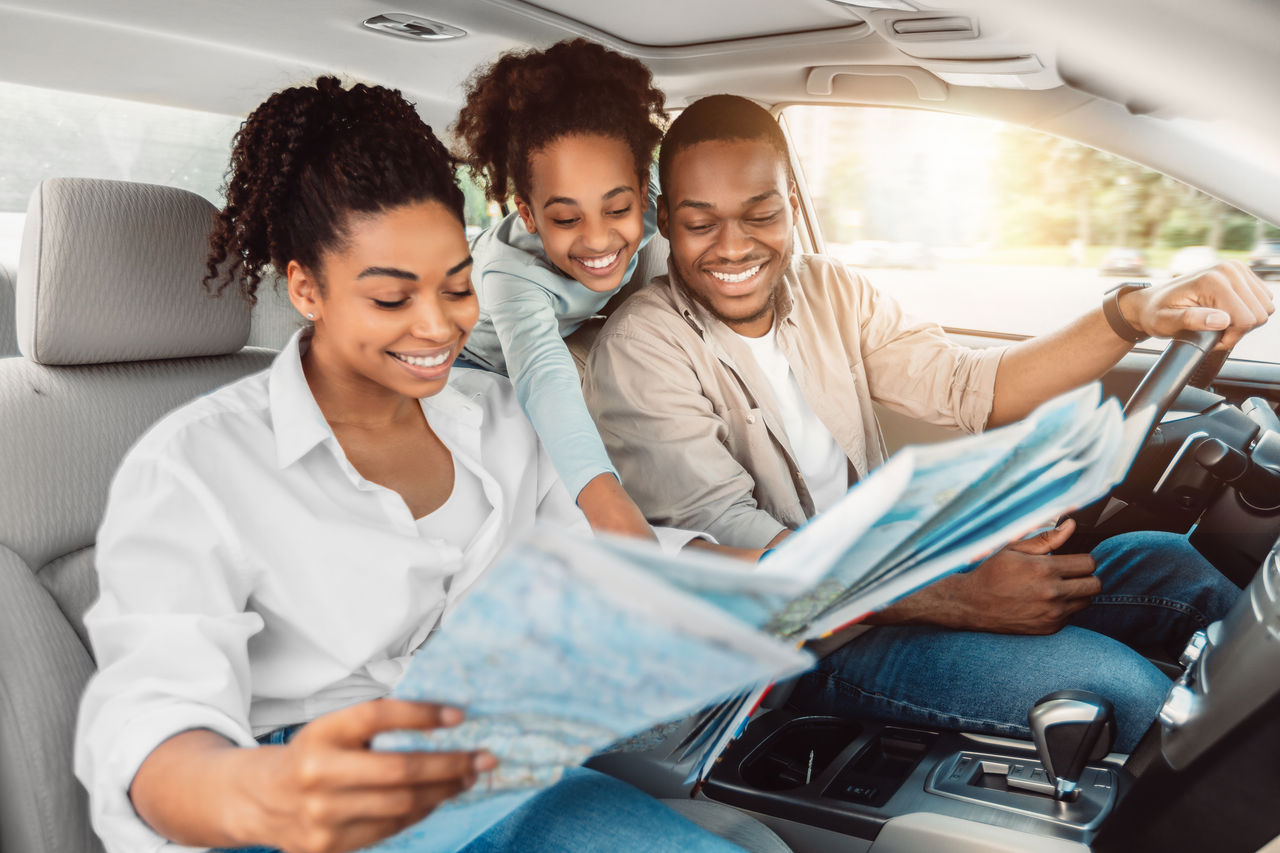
(563, 648)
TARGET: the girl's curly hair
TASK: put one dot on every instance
(528, 99)
(306, 160)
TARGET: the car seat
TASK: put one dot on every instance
(115, 330)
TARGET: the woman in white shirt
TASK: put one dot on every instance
(273, 553)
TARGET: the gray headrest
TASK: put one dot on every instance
(111, 270)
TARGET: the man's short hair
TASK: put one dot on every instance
(724, 118)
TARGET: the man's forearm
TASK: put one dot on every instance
(935, 604)
(1227, 298)
(1043, 367)
(748, 554)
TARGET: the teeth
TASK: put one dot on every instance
(418, 361)
(598, 263)
(739, 277)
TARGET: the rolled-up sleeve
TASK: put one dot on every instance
(667, 441)
(170, 634)
(543, 373)
(557, 509)
(912, 366)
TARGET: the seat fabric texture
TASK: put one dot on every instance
(8, 319)
(274, 317)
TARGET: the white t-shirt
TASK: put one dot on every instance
(822, 463)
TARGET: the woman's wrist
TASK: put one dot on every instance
(244, 796)
(192, 790)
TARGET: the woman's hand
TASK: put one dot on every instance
(323, 792)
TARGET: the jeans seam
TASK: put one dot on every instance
(959, 720)
(1153, 601)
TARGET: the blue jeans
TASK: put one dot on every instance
(1156, 591)
(585, 810)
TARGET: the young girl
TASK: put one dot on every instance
(273, 553)
(568, 132)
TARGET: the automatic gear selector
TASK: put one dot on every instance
(1070, 728)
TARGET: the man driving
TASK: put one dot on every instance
(735, 396)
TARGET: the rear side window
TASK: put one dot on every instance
(51, 134)
(990, 227)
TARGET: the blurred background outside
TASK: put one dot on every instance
(992, 227)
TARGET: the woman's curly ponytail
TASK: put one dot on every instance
(306, 160)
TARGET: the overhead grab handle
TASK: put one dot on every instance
(928, 87)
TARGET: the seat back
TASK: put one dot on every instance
(8, 319)
(115, 330)
(274, 318)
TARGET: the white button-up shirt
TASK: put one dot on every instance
(252, 578)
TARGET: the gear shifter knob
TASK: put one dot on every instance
(1070, 729)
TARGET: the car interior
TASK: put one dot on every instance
(104, 328)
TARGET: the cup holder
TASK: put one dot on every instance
(798, 753)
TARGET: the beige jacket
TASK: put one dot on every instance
(692, 424)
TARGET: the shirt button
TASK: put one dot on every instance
(751, 419)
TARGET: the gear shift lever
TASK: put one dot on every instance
(1071, 728)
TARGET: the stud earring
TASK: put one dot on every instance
(311, 316)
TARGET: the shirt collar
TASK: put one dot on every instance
(299, 425)
(296, 419)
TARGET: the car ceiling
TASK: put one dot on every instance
(1108, 72)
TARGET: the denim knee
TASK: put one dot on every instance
(1135, 688)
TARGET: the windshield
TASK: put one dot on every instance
(996, 228)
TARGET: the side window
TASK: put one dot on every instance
(50, 134)
(995, 228)
(478, 212)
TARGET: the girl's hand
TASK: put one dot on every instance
(326, 791)
(609, 509)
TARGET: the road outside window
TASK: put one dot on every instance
(996, 228)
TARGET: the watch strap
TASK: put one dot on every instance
(1115, 317)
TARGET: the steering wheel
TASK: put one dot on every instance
(1187, 360)
(1177, 367)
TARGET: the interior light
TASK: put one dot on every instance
(412, 27)
(901, 5)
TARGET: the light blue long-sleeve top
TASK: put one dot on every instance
(527, 308)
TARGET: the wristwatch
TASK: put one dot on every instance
(1115, 319)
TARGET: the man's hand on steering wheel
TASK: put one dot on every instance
(1226, 297)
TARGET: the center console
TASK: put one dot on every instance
(853, 777)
